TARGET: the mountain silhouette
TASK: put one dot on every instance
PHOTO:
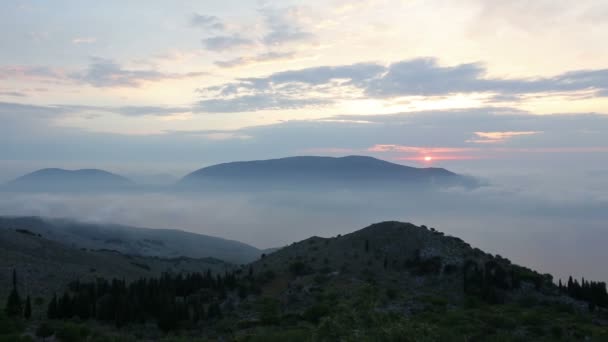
(349, 172)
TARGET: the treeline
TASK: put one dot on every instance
(169, 300)
(593, 292)
(492, 280)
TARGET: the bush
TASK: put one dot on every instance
(314, 313)
(298, 268)
(70, 332)
(268, 310)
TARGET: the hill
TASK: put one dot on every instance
(47, 266)
(304, 172)
(390, 281)
(53, 179)
(166, 243)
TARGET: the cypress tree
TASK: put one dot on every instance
(14, 307)
(52, 311)
(27, 312)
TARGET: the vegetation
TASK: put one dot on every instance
(351, 288)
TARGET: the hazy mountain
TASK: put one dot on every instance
(131, 240)
(307, 171)
(54, 179)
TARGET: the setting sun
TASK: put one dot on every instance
(428, 158)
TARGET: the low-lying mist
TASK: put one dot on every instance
(555, 225)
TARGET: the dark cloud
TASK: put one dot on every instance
(221, 43)
(426, 77)
(107, 73)
(417, 77)
(209, 22)
(356, 74)
(285, 88)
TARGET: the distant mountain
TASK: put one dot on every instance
(53, 179)
(168, 243)
(306, 171)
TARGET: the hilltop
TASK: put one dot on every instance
(306, 171)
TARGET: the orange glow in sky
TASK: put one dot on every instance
(428, 158)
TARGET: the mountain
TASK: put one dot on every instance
(304, 172)
(48, 266)
(53, 179)
(167, 243)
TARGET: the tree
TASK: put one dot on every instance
(27, 312)
(366, 245)
(52, 312)
(14, 307)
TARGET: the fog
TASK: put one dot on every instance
(554, 224)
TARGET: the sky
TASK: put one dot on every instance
(179, 85)
(513, 92)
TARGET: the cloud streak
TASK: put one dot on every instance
(107, 73)
(226, 42)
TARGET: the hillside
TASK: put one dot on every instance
(167, 243)
(47, 266)
(303, 172)
(54, 179)
(390, 281)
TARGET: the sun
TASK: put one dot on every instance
(428, 158)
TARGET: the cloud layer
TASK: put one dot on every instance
(417, 77)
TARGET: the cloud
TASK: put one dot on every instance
(416, 77)
(107, 73)
(255, 103)
(261, 58)
(284, 26)
(31, 72)
(208, 22)
(12, 93)
(19, 109)
(149, 110)
(131, 111)
(84, 40)
(498, 137)
(226, 42)
(287, 89)
(424, 76)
